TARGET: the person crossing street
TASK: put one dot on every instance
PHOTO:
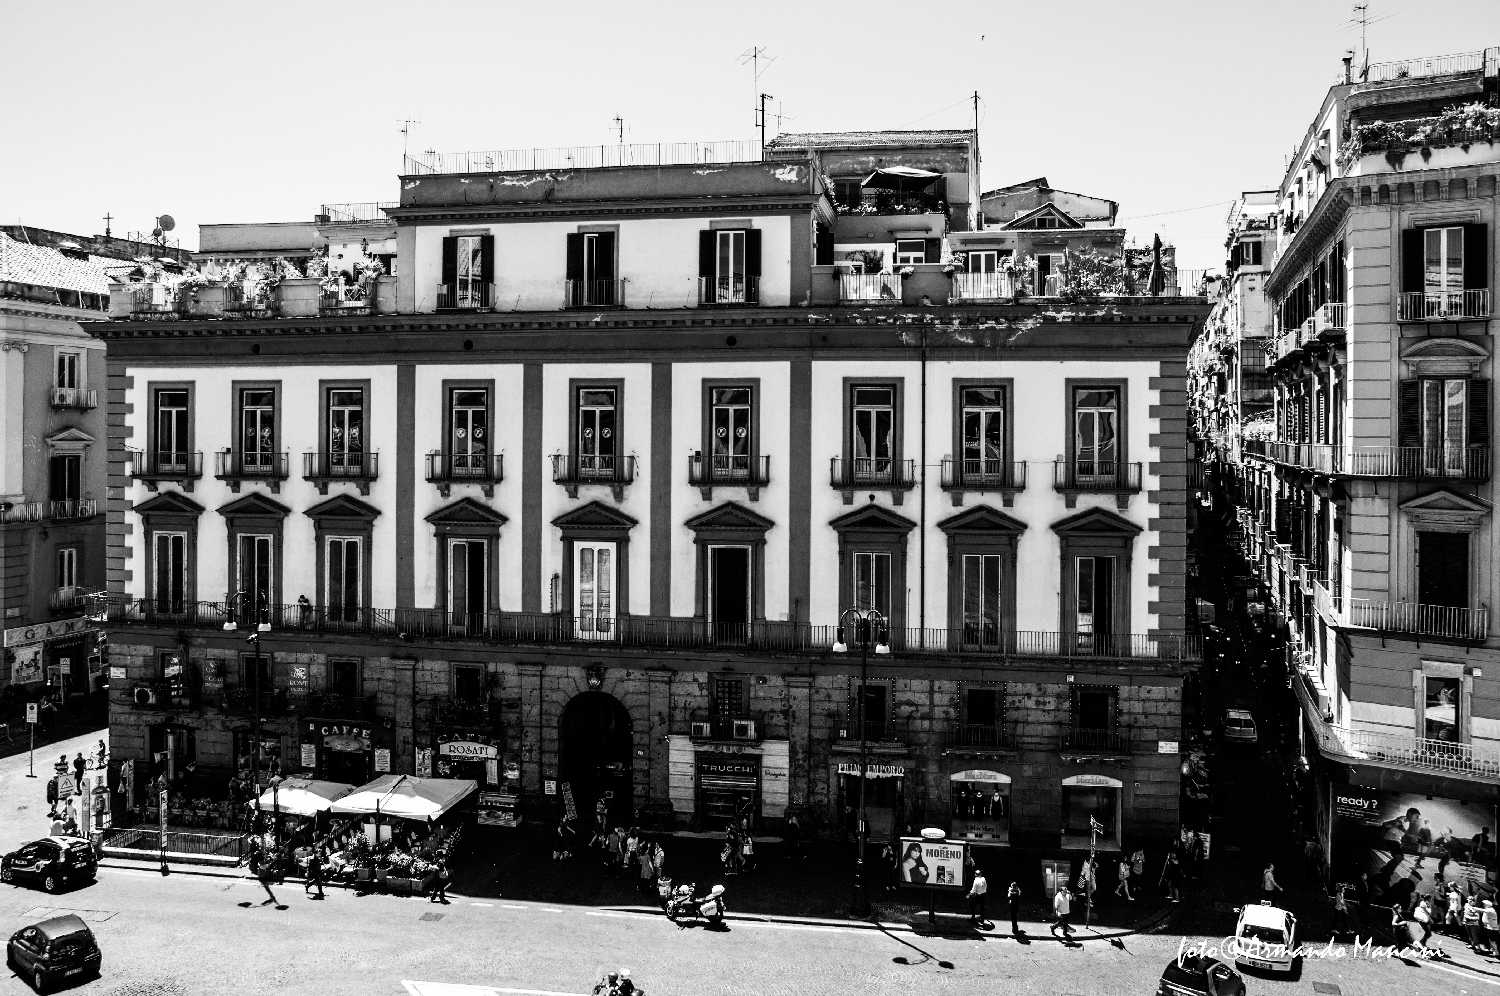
(314, 873)
(440, 886)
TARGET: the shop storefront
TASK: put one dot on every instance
(885, 796)
(468, 755)
(341, 750)
(1409, 843)
(980, 806)
(62, 654)
(1096, 798)
(728, 786)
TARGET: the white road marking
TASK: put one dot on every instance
(1462, 974)
(453, 989)
(511, 906)
(481, 904)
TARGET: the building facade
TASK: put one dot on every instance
(52, 452)
(579, 514)
(1368, 510)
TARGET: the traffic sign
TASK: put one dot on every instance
(31, 711)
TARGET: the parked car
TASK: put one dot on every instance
(1265, 937)
(56, 949)
(1239, 726)
(54, 862)
(1199, 975)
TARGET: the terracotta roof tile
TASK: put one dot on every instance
(24, 263)
(868, 139)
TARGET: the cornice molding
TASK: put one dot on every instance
(513, 212)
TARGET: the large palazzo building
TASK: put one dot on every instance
(577, 510)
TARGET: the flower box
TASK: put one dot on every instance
(299, 297)
(409, 886)
(207, 300)
(385, 296)
(363, 874)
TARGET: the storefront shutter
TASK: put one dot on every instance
(1411, 261)
(1479, 413)
(932, 250)
(706, 253)
(1476, 256)
(575, 256)
(752, 252)
(1409, 414)
(487, 259)
(450, 261)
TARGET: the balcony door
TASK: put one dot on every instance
(984, 433)
(1444, 418)
(1096, 413)
(170, 571)
(468, 581)
(731, 433)
(1093, 601)
(257, 430)
(1443, 270)
(981, 599)
(1442, 580)
(872, 583)
(730, 271)
(597, 416)
(67, 477)
(343, 594)
(346, 432)
(470, 442)
(873, 429)
(171, 431)
(729, 593)
(594, 589)
(253, 559)
(468, 286)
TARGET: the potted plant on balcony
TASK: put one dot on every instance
(298, 293)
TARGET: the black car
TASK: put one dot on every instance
(1195, 975)
(55, 862)
(60, 948)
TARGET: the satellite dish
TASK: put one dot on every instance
(166, 223)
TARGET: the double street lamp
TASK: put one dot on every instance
(870, 627)
(234, 604)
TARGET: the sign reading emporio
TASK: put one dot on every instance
(42, 632)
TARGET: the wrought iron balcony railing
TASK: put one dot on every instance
(163, 465)
(1094, 742)
(874, 472)
(729, 470)
(729, 290)
(483, 469)
(982, 736)
(593, 293)
(1108, 476)
(323, 469)
(464, 297)
(574, 469)
(73, 508)
(74, 397)
(1444, 306)
(984, 475)
(236, 467)
(870, 288)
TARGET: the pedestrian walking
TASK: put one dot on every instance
(1123, 889)
(314, 873)
(1013, 899)
(659, 860)
(1473, 925)
(440, 886)
(1268, 885)
(265, 873)
(1087, 880)
(646, 881)
(892, 867)
(747, 852)
(1489, 919)
(1062, 905)
(791, 836)
(101, 757)
(566, 840)
(79, 767)
(1340, 909)
(61, 767)
(52, 798)
(1138, 869)
(1423, 917)
(1452, 922)
(977, 891)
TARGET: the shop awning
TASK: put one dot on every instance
(407, 796)
(899, 178)
(303, 796)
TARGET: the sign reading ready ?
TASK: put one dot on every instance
(932, 863)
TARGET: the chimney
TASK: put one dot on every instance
(1348, 66)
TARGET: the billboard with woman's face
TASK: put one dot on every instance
(932, 863)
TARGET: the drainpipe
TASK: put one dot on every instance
(922, 515)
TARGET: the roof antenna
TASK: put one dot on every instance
(620, 126)
(406, 126)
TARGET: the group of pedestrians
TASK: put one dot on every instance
(1447, 911)
(630, 853)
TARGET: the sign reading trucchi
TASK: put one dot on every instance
(932, 863)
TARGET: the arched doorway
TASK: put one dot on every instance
(594, 755)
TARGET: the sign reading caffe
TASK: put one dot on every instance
(347, 737)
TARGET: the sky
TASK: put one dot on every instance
(245, 112)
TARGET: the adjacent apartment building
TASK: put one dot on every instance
(1369, 510)
(578, 510)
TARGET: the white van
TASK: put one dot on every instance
(1265, 937)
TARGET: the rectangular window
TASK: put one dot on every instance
(872, 582)
(1094, 600)
(983, 415)
(1440, 718)
(343, 678)
(1444, 418)
(873, 697)
(729, 698)
(468, 288)
(1442, 580)
(1049, 273)
(730, 424)
(909, 251)
(67, 567)
(67, 370)
(983, 261)
(343, 594)
(593, 588)
(170, 569)
(67, 477)
(981, 595)
(346, 431)
(982, 706)
(1093, 708)
(597, 436)
(469, 445)
(172, 443)
(468, 684)
(729, 267)
(1096, 413)
(258, 430)
(1443, 260)
(848, 192)
(873, 428)
(468, 576)
(597, 269)
(255, 573)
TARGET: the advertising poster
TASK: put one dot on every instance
(424, 762)
(932, 863)
(27, 667)
(1410, 843)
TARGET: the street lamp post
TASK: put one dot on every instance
(232, 605)
(867, 623)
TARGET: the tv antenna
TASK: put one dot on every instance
(1363, 20)
(762, 115)
(619, 127)
(406, 126)
(759, 62)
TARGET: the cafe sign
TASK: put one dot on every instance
(43, 632)
(469, 750)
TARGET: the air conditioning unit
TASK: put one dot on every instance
(744, 729)
(702, 730)
(145, 696)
